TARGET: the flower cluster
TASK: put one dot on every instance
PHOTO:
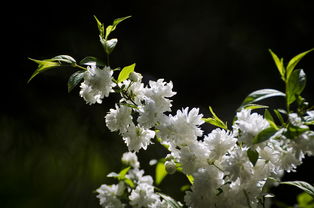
(221, 163)
(134, 187)
(227, 167)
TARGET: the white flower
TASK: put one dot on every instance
(90, 96)
(289, 160)
(134, 89)
(137, 137)
(97, 84)
(119, 118)
(193, 157)
(130, 158)
(305, 142)
(204, 189)
(143, 196)
(248, 125)
(183, 128)
(108, 195)
(219, 142)
(155, 102)
(237, 164)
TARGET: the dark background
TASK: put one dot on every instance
(55, 149)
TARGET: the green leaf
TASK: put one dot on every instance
(185, 187)
(125, 72)
(255, 106)
(170, 201)
(64, 58)
(190, 178)
(109, 45)
(294, 61)
(118, 20)
(264, 135)
(295, 131)
(90, 60)
(100, 27)
(123, 172)
(112, 27)
(252, 155)
(215, 120)
(270, 119)
(308, 188)
(305, 200)
(75, 79)
(295, 85)
(43, 65)
(129, 182)
(279, 64)
(279, 116)
(259, 95)
(160, 172)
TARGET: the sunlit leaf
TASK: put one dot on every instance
(125, 72)
(64, 58)
(190, 178)
(90, 60)
(270, 119)
(43, 65)
(294, 61)
(109, 45)
(75, 79)
(279, 64)
(100, 27)
(255, 106)
(279, 116)
(305, 200)
(160, 172)
(259, 95)
(112, 27)
(215, 120)
(295, 85)
(123, 172)
(308, 188)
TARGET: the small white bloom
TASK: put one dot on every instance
(119, 118)
(305, 142)
(289, 160)
(183, 128)
(193, 157)
(143, 196)
(248, 125)
(137, 137)
(238, 164)
(97, 84)
(204, 189)
(108, 195)
(219, 142)
(155, 103)
(130, 158)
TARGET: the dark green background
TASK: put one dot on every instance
(55, 149)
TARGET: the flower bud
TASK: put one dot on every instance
(135, 77)
(170, 167)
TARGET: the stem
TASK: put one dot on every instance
(108, 60)
(247, 198)
(78, 66)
